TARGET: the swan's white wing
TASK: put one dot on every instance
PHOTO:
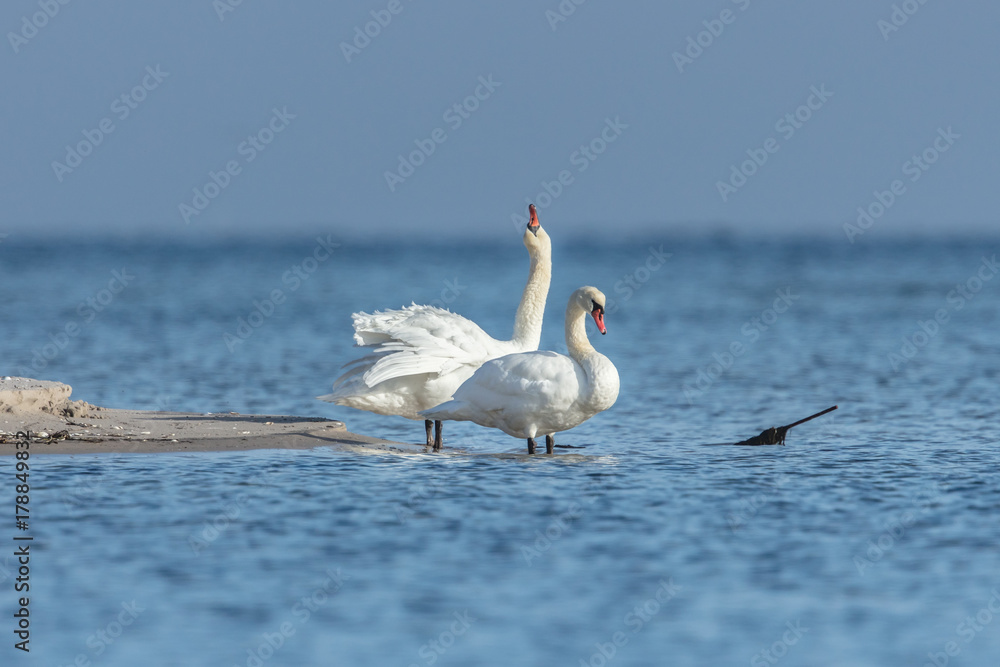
(513, 391)
(374, 328)
(544, 376)
(356, 367)
(422, 339)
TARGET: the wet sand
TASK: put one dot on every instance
(59, 425)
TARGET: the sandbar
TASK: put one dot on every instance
(60, 425)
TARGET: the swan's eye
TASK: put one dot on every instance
(597, 306)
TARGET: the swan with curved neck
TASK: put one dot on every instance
(420, 355)
(541, 393)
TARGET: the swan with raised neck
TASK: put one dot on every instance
(419, 355)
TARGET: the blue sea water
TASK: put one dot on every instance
(870, 539)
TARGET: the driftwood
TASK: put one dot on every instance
(776, 436)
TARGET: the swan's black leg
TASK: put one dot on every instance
(437, 434)
(427, 429)
(550, 444)
(531, 445)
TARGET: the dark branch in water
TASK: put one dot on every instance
(776, 436)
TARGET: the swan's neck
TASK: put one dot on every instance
(531, 311)
(600, 390)
(577, 343)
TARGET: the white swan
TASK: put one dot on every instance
(422, 354)
(531, 393)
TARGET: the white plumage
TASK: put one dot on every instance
(421, 354)
(540, 393)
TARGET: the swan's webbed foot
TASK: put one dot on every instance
(427, 429)
(437, 435)
(531, 446)
(550, 445)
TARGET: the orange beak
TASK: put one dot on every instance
(533, 224)
(598, 314)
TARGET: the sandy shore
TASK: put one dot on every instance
(60, 425)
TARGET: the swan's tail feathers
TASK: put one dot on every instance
(352, 392)
(436, 412)
(351, 382)
(340, 393)
(449, 410)
(349, 389)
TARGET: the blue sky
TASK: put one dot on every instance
(597, 111)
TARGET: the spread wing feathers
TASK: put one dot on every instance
(372, 329)
(416, 340)
(357, 367)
